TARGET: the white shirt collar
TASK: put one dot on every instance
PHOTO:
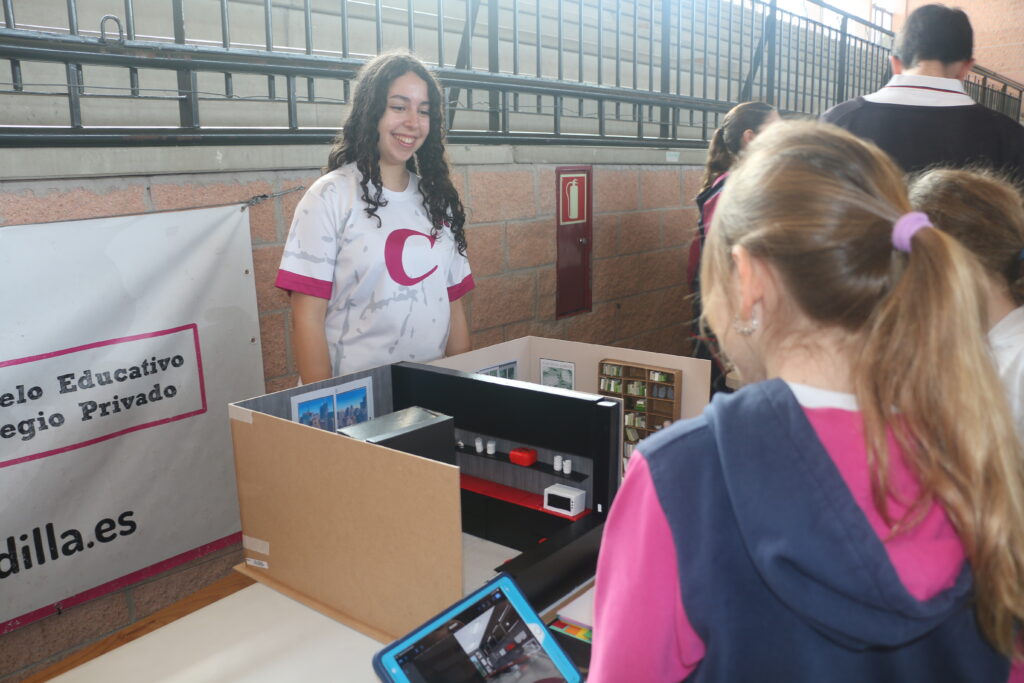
(813, 397)
(922, 91)
(1008, 332)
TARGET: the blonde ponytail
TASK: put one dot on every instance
(819, 205)
(926, 374)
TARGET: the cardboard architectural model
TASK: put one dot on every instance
(372, 536)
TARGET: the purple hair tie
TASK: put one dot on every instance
(903, 229)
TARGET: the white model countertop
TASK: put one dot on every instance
(258, 635)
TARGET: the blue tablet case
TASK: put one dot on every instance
(489, 635)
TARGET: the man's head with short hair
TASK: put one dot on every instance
(935, 33)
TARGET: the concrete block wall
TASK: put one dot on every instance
(643, 220)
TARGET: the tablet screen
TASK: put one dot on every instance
(488, 640)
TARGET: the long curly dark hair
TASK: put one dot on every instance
(358, 142)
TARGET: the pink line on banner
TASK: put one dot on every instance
(135, 428)
(117, 584)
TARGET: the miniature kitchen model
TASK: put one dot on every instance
(373, 536)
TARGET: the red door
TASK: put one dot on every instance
(573, 235)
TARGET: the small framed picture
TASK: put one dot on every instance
(557, 373)
(353, 402)
(505, 370)
(315, 408)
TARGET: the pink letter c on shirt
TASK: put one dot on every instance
(393, 248)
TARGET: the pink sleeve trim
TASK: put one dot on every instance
(456, 292)
(293, 282)
(641, 631)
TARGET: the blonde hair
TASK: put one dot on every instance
(819, 205)
(984, 211)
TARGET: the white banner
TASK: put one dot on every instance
(123, 341)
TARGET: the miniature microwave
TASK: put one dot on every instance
(564, 499)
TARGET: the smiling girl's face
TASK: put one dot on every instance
(405, 123)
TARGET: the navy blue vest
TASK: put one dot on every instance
(782, 576)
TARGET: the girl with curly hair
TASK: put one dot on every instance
(375, 260)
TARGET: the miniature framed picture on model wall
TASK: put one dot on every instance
(505, 370)
(557, 373)
(335, 407)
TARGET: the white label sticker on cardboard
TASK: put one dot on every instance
(257, 563)
(256, 545)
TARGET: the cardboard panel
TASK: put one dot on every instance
(372, 533)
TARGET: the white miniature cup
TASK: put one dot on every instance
(567, 466)
(557, 464)
(490, 446)
(478, 443)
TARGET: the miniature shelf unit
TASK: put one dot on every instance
(651, 398)
(538, 475)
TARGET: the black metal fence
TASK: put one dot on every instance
(621, 72)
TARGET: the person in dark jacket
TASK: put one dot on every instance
(923, 116)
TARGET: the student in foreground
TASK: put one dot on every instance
(986, 214)
(856, 512)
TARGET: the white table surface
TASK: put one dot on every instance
(258, 635)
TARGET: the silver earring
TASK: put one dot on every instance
(745, 329)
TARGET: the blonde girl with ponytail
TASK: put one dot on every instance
(741, 125)
(856, 511)
(985, 212)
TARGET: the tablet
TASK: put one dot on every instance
(490, 635)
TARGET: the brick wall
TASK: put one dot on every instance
(998, 32)
(644, 216)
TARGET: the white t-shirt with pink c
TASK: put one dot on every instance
(389, 288)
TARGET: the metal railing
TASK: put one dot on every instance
(622, 72)
(995, 91)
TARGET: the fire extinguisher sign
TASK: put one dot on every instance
(573, 202)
